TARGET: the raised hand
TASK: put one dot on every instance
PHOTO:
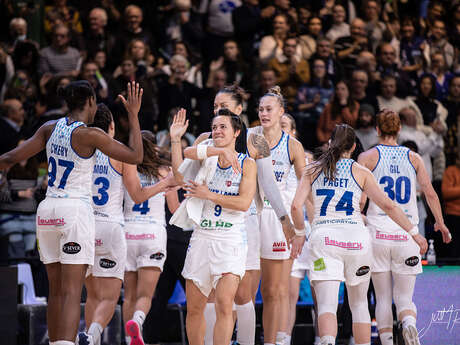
(179, 125)
(134, 94)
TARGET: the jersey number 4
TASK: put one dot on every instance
(345, 203)
(142, 208)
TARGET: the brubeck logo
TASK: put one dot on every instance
(106, 263)
(71, 248)
(279, 246)
(380, 235)
(157, 256)
(50, 221)
(412, 261)
(344, 245)
(140, 236)
(362, 271)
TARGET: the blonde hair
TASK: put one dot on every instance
(275, 91)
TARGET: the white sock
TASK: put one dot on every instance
(210, 318)
(287, 340)
(408, 320)
(63, 342)
(127, 340)
(280, 338)
(95, 330)
(386, 338)
(246, 316)
(139, 317)
(317, 340)
(327, 339)
(269, 344)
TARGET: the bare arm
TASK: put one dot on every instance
(202, 137)
(172, 200)
(298, 156)
(301, 196)
(176, 131)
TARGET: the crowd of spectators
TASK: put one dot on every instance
(335, 61)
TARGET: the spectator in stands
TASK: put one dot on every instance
(216, 81)
(18, 33)
(90, 72)
(303, 15)
(6, 71)
(367, 62)
(308, 41)
(58, 58)
(164, 139)
(341, 109)
(387, 65)
(374, 27)
(324, 50)
(387, 98)
(25, 57)
(365, 126)
(441, 74)
(348, 48)
(411, 49)
(235, 67)
(291, 71)
(339, 27)
(267, 80)
(60, 13)
(452, 104)
(359, 86)
(140, 53)
(97, 38)
(23, 88)
(11, 121)
(438, 43)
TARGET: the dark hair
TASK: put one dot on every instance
(235, 91)
(241, 144)
(432, 94)
(153, 158)
(410, 144)
(76, 94)
(292, 120)
(103, 117)
(388, 123)
(336, 107)
(342, 139)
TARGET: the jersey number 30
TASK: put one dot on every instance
(345, 203)
(394, 189)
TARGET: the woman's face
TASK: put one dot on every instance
(100, 59)
(315, 26)
(180, 49)
(280, 24)
(138, 50)
(127, 68)
(225, 100)
(338, 14)
(426, 86)
(438, 61)
(270, 111)
(223, 133)
(341, 91)
(407, 30)
(286, 124)
(319, 69)
(231, 51)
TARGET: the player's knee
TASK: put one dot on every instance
(404, 302)
(360, 312)
(327, 307)
(271, 293)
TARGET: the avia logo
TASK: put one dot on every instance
(98, 242)
(279, 246)
(50, 221)
(106, 263)
(71, 248)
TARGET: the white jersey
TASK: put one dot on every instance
(398, 179)
(215, 217)
(107, 190)
(150, 211)
(69, 175)
(336, 202)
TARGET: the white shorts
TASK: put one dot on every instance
(395, 251)
(300, 266)
(273, 244)
(146, 245)
(253, 236)
(209, 258)
(65, 231)
(110, 254)
(340, 253)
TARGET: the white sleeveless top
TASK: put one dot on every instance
(151, 211)
(398, 179)
(336, 202)
(214, 217)
(107, 191)
(69, 175)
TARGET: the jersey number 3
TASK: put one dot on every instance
(345, 203)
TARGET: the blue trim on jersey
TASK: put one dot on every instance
(351, 172)
(71, 146)
(239, 154)
(287, 148)
(377, 147)
(119, 173)
(316, 178)
(55, 124)
(408, 158)
(282, 136)
(67, 121)
(242, 163)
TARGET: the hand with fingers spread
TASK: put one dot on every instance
(179, 125)
(134, 98)
(200, 191)
(446, 235)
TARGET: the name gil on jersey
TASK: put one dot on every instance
(341, 244)
(208, 223)
(394, 169)
(59, 150)
(338, 182)
(100, 169)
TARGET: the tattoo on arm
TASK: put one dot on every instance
(261, 145)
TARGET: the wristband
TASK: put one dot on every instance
(413, 231)
(300, 232)
(202, 152)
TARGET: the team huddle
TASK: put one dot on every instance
(259, 209)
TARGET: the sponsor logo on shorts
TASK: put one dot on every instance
(140, 236)
(344, 245)
(412, 261)
(363, 270)
(157, 256)
(98, 242)
(380, 235)
(319, 265)
(106, 263)
(71, 248)
(279, 246)
(50, 221)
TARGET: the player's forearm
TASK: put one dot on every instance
(135, 139)
(176, 159)
(434, 205)
(297, 216)
(233, 202)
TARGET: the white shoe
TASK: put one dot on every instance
(410, 335)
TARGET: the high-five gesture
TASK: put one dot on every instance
(179, 125)
(134, 94)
